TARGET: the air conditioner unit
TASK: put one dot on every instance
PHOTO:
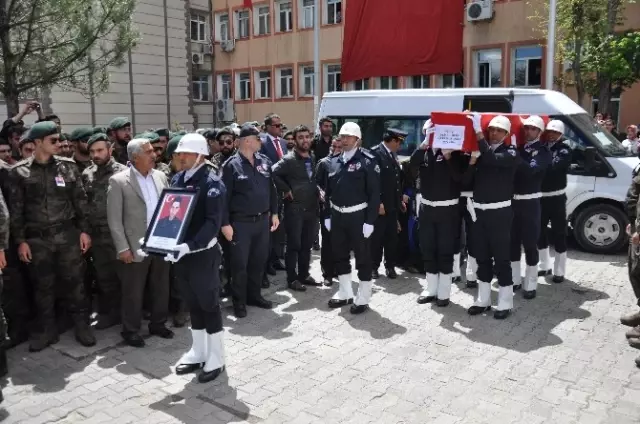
(224, 110)
(479, 10)
(228, 45)
(196, 58)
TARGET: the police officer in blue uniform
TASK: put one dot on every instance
(553, 204)
(352, 200)
(385, 234)
(197, 260)
(533, 160)
(492, 196)
(252, 214)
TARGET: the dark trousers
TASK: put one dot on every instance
(249, 254)
(58, 259)
(301, 229)
(634, 269)
(492, 238)
(346, 236)
(385, 237)
(553, 210)
(326, 256)
(106, 266)
(525, 230)
(278, 238)
(466, 234)
(226, 259)
(17, 298)
(134, 277)
(439, 237)
(199, 281)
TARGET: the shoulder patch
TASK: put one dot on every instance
(213, 192)
(377, 168)
(512, 152)
(64, 159)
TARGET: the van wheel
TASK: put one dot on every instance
(601, 229)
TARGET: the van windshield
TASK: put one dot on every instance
(598, 136)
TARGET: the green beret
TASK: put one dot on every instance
(42, 129)
(151, 136)
(120, 122)
(97, 130)
(81, 134)
(162, 132)
(64, 137)
(97, 137)
(172, 146)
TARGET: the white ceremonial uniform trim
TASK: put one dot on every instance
(437, 203)
(489, 206)
(347, 155)
(466, 194)
(554, 193)
(527, 196)
(190, 172)
(209, 246)
(149, 192)
(349, 209)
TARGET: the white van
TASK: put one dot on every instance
(600, 171)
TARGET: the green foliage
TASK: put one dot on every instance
(70, 43)
(614, 57)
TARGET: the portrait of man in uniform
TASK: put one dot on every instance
(169, 226)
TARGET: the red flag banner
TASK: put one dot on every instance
(248, 4)
(402, 38)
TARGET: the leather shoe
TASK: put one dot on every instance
(161, 331)
(297, 286)
(278, 265)
(542, 273)
(637, 365)
(240, 311)
(265, 283)
(635, 343)
(502, 314)
(472, 284)
(557, 279)
(133, 339)
(442, 302)
(634, 333)
(271, 270)
(205, 377)
(631, 320)
(531, 294)
(358, 309)
(456, 280)
(517, 287)
(477, 310)
(425, 299)
(188, 368)
(391, 273)
(375, 274)
(260, 303)
(337, 303)
(310, 281)
(328, 282)
(316, 246)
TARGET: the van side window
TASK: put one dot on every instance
(413, 126)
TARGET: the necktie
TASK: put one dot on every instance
(276, 141)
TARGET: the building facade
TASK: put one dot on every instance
(264, 58)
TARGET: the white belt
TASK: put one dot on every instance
(209, 246)
(554, 193)
(451, 202)
(466, 194)
(349, 209)
(489, 206)
(527, 196)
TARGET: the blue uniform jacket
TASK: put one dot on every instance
(209, 210)
(534, 159)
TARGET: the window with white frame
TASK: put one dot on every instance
(262, 20)
(419, 81)
(488, 68)
(362, 84)
(242, 24)
(332, 11)
(200, 88)
(389, 83)
(526, 66)
(451, 81)
(333, 79)
(222, 27)
(198, 27)
(224, 86)
(307, 81)
(263, 84)
(243, 86)
(284, 17)
(307, 9)
(285, 83)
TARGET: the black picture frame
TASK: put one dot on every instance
(159, 237)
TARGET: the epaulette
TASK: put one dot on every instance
(64, 159)
(22, 162)
(367, 153)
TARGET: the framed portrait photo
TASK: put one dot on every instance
(170, 220)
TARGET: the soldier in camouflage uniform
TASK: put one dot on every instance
(48, 221)
(79, 137)
(96, 181)
(226, 139)
(119, 132)
(163, 139)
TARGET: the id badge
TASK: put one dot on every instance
(60, 181)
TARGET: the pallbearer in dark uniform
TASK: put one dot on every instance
(385, 234)
(197, 260)
(252, 214)
(352, 201)
(469, 268)
(533, 160)
(492, 196)
(553, 204)
(440, 174)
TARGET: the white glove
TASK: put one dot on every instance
(475, 154)
(514, 141)
(428, 128)
(475, 119)
(367, 230)
(327, 224)
(141, 252)
(181, 249)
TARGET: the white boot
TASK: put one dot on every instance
(544, 265)
(456, 266)
(530, 281)
(214, 364)
(364, 293)
(483, 299)
(505, 298)
(431, 289)
(444, 289)
(472, 269)
(559, 267)
(516, 273)
(345, 288)
(198, 352)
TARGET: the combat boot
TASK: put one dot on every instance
(4, 367)
(84, 334)
(631, 320)
(41, 340)
(634, 343)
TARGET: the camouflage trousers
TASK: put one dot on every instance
(17, 299)
(634, 269)
(57, 257)
(106, 271)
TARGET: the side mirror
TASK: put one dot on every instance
(590, 154)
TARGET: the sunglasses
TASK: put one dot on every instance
(227, 142)
(55, 141)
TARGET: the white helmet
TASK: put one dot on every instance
(556, 126)
(193, 143)
(428, 124)
(235, 128)
(534, 121)
(501, 122)
(351, 128)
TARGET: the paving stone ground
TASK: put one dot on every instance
(561, 358)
